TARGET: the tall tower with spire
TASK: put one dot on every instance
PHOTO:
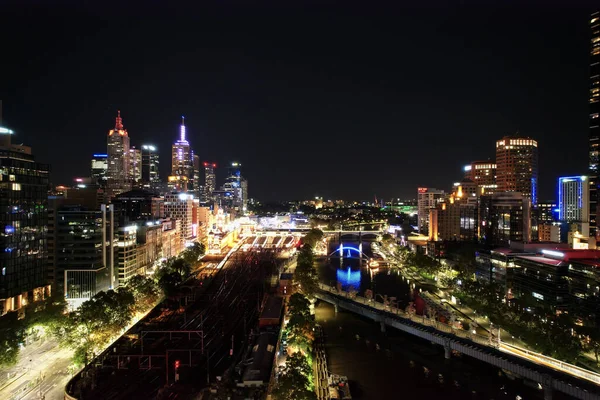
(182, 165)
(117, 173)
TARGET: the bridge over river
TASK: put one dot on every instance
(552, 374)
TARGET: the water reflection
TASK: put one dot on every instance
(348, 279)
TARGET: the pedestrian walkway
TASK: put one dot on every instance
(321, 373)
(483, 323)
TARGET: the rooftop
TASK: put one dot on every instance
(272, 308)
(541, 260)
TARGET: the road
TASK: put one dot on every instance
(37, 360)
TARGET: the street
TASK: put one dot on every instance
(39, 360)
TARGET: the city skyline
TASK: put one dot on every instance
(382, 94)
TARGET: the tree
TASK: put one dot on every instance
(301, 324)
(12, 334)
(299, 304)
(192, 254)
(312, 237)
(168, 283)
(145, 292)
(592, 342)
(171, 274)
(295, 382)
(89, 329)
(387, 239)
(49, 313)
(305, 274)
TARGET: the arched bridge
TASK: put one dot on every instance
(551, 373)
(348, 252)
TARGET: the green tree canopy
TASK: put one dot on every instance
(306, 274)
(12, 334)
(145, 291)
(312, 237)
(192, 254)
(295, 382)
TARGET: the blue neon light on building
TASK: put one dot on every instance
(572, 198)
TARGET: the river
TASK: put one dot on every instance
(404, 366)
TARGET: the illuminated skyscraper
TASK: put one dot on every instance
(135, 165)
(483, 174)
(99, 168)
(197, 187)
(427, 199)
(573, 200)
(150, 162)
(117, 173)
(517, 166)
(210, 180)
(24, 223)
(182, 167)
(594, 100)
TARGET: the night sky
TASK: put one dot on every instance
(343, 102)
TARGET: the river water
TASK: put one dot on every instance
(404, 366)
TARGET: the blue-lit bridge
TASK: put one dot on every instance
(552, 374)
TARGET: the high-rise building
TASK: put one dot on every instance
(234, 192)
(150, 172)
(135, 165)
(546, 212)
(78, 250)
(117, 173)
(594, 100)
(573, 202)
(179, 206)
(517, 166)
(427, 198)
(24, 185)
(138, 205)
(196, 178)
(99, 168)
(455, 218)
(182, 167)
(210, 180)
(483, 173)
(504, 217)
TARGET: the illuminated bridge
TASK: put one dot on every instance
(348, 252)
(552, 374)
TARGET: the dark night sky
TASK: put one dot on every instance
(312, 100)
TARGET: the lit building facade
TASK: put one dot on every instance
(117, 173)
(573, 201)
(24, 185)
(594, 138)
(139, 205)
(504, 217)
(135, 165)
(99, 169)
(210, 180)
(179, 206)
(126, 258)
(182, 168)
(517, 166)
(150, 163)
(197, 187)
(234, 192)
(547, 212)
(483, 174)
(548, 233)
(78, 250)
(427, 198)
